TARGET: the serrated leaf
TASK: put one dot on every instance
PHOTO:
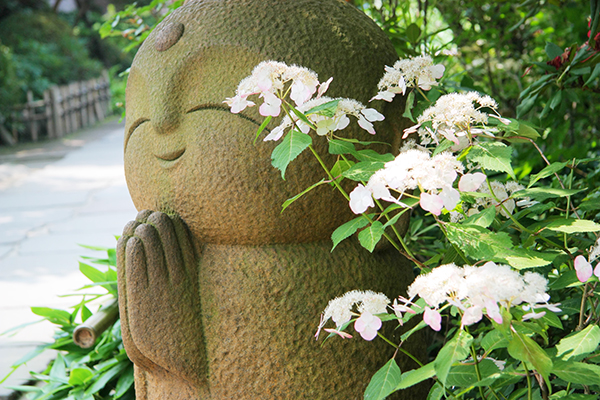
(543, 193)
(480, 243)
(576, 372)
(290, 147)
(523, 348)
(384, 382)
(583, 342)
(521, 259)
(494, 340)
(549, 170)
(289, 201)
(347, 230)
(341, 147)
(493, 156)
(483, 218)
(456, 349)
(339, 168)
(369, 237)
(565, 279)
(362, 171)
(572, 225)
(411, 378)
(326, 109)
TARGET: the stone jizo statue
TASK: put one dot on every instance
(219, 292)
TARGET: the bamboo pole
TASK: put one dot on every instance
(85, 335)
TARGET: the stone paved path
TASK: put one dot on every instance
(54, 196)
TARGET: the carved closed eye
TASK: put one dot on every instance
(133, 127)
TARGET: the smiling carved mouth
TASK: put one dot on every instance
(171, 156)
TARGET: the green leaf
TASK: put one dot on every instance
(289, 201)
(411, 378)
(124, 383)
(556, 100)
(594, 75)
(553, 50)
(482, 219)
(480, 243)
(444, 145)
(523, 348)
(302, 117)
(576, 372)
(494, 340)
(457, 349)
(341, 147)
(326, 109)
(348, 229)
(543, 193)
(373, 156)
(58, 317)
(262, 127)
(413, 32)
(59, 370)
(527, 131)
(93, 274)
(549, 170)
(521, 259)
(369, 237)
(565, 279)
(105, 378)
(572, 225)
(339, 168)
(384, 382)
(583, 342)
(493, 156)
(465, 375)
(436, 393)
(290, 147)
(79, 376)
(362, 171)
(410, 102)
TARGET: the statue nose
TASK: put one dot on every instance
(165, 123)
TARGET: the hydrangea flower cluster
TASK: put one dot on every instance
(453, 116)
(368, 303)
(583, 267)
(411, 169)
(365, 116)
(480, 290)
(268, 79)
(409, 72)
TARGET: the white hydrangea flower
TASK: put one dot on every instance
(453, 116)
(409, 72)
(340, 308)
(481, 290)
(503, 193)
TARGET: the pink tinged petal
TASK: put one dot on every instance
(437, 70)
(450, 197)
(386, 96)
(360, 199)
(372, 115)
(432, 203)
(342, 122)
(597, 270)
(402, 85)
(275, 134)
(449, 134)
(583, 268)
(367, 325)
(471, 182)
(472, 314)
(342, 334)
(493, 311)
(410, 130)
(323, 87)
(366, 125)
(433, 319)
(425, 82)
(534, 315)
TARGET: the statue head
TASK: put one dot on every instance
(186, 153)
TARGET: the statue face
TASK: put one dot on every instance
(185, 152)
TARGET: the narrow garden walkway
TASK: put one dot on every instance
(54, 195)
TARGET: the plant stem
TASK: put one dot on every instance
(529, 389)
(582, 307)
